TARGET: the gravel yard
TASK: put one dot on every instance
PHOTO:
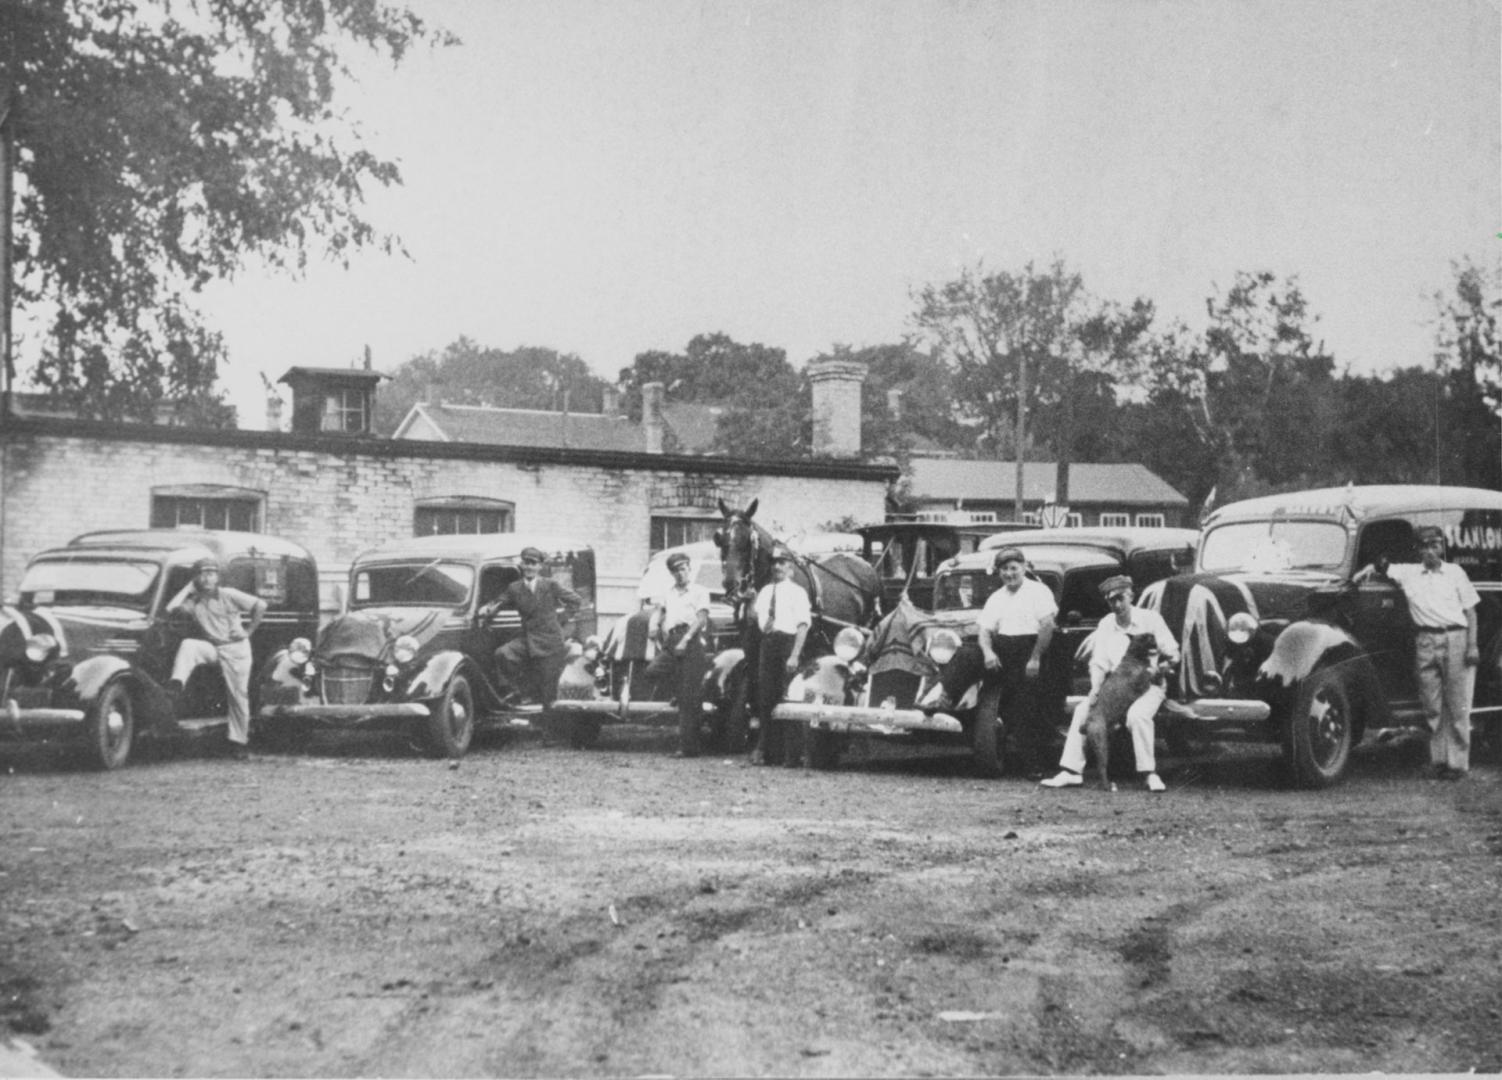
(359, 910)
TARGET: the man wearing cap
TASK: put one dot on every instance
(1016, 626)
(539, 651)
(1442, 603)
(784, 615)
(223, 639)
(678, 621)
(1108, 644)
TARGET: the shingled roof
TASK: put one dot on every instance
(692, 427)
(1125, 483)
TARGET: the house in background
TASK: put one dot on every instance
(963, 491)
(672, 428)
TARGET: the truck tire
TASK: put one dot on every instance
(987, 738)
(824, 749)
(111, 726)
(1318, 733)
(451, 726)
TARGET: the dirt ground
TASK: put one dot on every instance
(358, 910)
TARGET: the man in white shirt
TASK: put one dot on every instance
(783, 615)
(1108, 644)
(1016, 626)
(223, 639)
(679, 618)
(1442, 603)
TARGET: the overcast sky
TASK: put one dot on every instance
(604, 178)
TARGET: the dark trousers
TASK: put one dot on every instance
(771, 684)
(525, 673)
(685, 676)
(1007, 692)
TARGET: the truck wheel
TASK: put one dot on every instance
(111, 726)
(452, 724)
(583, 731)
(282, 734)
(1317, 735)
(734, 723)
(823, 749)
(987, 739)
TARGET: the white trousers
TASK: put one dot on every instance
(1139, 721)
(234, 661)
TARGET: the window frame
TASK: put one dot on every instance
(459, 506)
(212, 500)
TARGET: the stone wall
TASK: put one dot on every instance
(340, 497)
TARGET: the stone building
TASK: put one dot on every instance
(331, 486)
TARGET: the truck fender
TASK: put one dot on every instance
(280, 681)
(89, 677)
(434, 677)
(823, 680)
(1308, 646)
(722, 668)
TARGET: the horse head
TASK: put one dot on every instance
(745, 551)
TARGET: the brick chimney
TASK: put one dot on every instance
(610, 401)
(651, 415)
(836, 386)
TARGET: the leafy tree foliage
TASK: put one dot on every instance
(1470, 360)
(162, 145)
(766, 401)
(465, 373)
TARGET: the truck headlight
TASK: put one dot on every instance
(300, 651)
(848, 644)
(942, 644)
(404, 649)
(39, 647)
(1241, 628)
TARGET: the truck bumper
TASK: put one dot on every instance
(347, 714)
(19, 723)
(1207, 718)
(863, 720)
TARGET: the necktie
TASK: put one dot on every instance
(772, 610)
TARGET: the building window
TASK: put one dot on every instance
(346, 411)
(1115, 521)
(462, 515)
(1150, 520)
(1032, 517)
(1075, 520)
(206, 508)
(671, 531)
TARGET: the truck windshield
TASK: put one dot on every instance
(1272, 546)
(117, 583)
(434, 583)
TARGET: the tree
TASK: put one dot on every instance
(1470, 364)
(1033, 344)
(161, 146)
(464, 373)
(766, 410)
(1255, 397)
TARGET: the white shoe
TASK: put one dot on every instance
(1154, 783)
(1064, 779)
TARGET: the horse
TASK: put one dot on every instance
(842, 588)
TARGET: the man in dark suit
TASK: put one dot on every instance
(538, 652)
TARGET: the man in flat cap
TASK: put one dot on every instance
(1016, 626)
(539, 653)
(1442, 603)
(679, 619)
(223, 638)
(1108, 644)
(784, 615)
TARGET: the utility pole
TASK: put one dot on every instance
(7, 171)
(1021, 433)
